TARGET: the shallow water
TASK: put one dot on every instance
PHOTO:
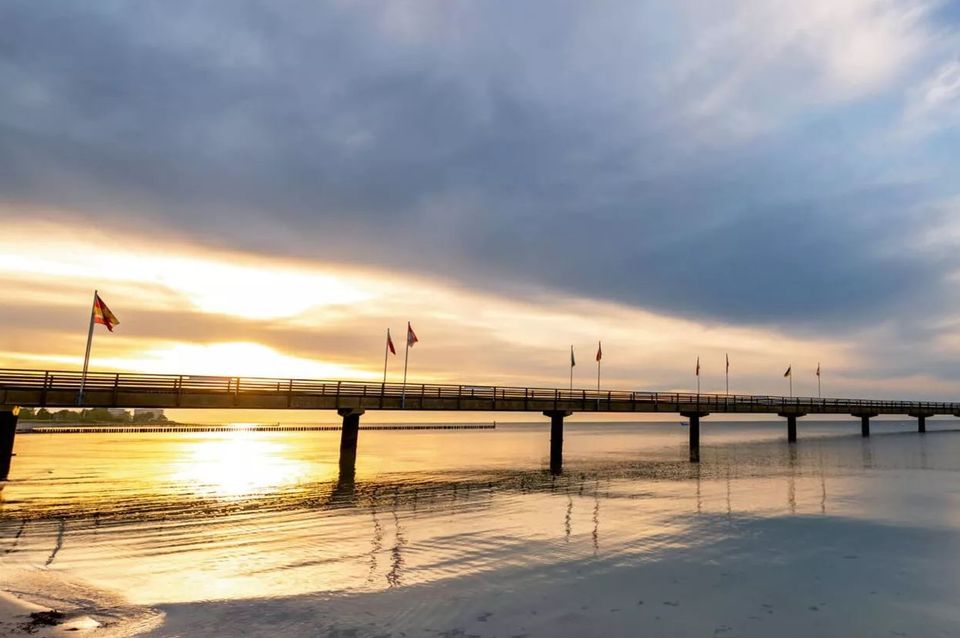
(440, 528)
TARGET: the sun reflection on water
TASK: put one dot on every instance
(237, 464)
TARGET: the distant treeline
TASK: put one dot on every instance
(88, 415)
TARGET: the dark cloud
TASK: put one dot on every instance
(506, 146)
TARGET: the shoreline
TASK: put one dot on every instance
(19, 615)
(50, 604)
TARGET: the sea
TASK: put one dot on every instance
(468, 533)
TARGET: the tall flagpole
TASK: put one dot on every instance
(599, 356)
(698, 375)
(86, 356)
(386, 351)
(791, 380)
(819, 393)
(406, 357)
(571, 368)
(728, 374)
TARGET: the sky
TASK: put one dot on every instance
(263, 188)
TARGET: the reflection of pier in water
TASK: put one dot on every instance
(712, 487)
(723, 466)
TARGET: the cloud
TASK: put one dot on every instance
(709, 160)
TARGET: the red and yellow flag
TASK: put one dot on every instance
(102, 314)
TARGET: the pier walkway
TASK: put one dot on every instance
(62, 389)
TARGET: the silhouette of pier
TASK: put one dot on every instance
(62, 389)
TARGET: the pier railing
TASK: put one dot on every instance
(58, 388)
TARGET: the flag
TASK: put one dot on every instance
(573, 360)
(698, 366)
(818, 368)
(411, 336)
(789, 372)
(599, 352)
(102, 314)
(390, 343)
(728, 363)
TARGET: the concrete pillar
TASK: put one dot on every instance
(921, 423)
(556, 439)
(791, 418)
(349, 434)
(865, 425)
(694, 434)
(8, 430)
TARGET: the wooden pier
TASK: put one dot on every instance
(61, 389)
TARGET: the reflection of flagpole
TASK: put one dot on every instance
(86, 357)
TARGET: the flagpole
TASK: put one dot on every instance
(86, 356)
(819, 393)
(599, 356)
(386, 351)
(406, 356)
(698, 377)
(571, 368)
(728, 374)
(791, 380)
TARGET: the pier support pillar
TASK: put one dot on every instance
(865, 422)
(8, 430)
(348, 440)
(921, 418)
(791, 418)
(556, 438)
(694, 433)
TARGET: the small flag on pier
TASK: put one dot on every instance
(573, 360)
(818, 368)
(390, 343)
(789, 372)
(599, 352)
(102, 314)
(728, 363)
(698, 366)
(411, 336)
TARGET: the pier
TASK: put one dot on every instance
(351, 399)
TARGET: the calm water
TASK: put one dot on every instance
(176, 519)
